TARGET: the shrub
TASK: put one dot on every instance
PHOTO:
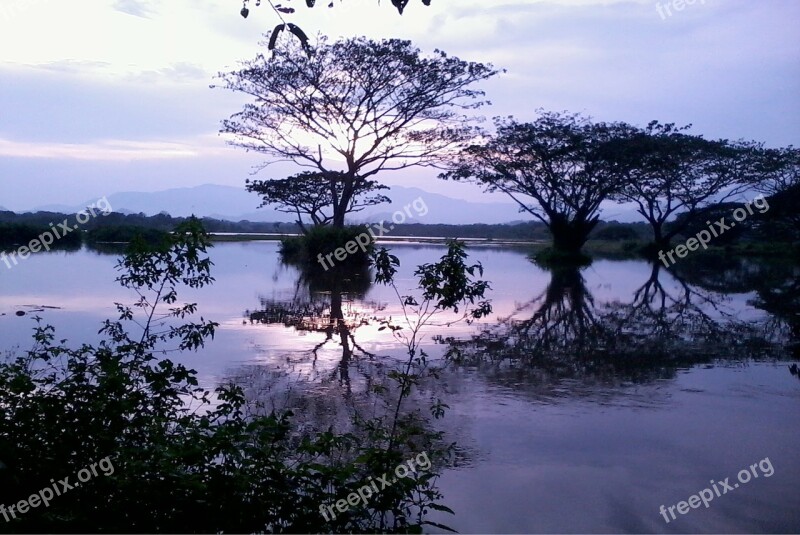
(324, 240)
(183, 463)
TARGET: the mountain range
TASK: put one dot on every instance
(236, 204)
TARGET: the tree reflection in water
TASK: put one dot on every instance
(775, 287)
(563, 342)
(332, 305)
(360, 385)
(671, 322)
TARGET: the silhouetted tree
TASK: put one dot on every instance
(671, 172)
(560, 161)
(314, 195)
(778, 177)
(355, 107)
(777, 170)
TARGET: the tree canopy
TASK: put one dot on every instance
(560, 161)
(670, 172)
(355, 107)
(313, 195)
(777, 170)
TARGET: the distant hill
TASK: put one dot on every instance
(236, 204)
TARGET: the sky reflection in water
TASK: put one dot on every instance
(571, 415)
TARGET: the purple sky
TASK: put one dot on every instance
(101, 96)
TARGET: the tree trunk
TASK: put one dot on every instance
(338, 320)
(660, 241)
(338, 217)
(570, 236)
(343, 202)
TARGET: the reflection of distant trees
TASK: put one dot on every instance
(781, 299)
(359, 387)
(668, 323)
(563, 319)
(776, 285)
(671, 321)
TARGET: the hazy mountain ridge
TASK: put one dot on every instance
(232, 203)
(236, 204)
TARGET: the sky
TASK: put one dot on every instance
(104, 96)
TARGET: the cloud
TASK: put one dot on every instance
(73, 73)
(74, 66)
(108, 150)
(180, 72)
(137, 8)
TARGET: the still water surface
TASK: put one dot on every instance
(694, 386)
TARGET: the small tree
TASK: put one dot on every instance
(314, 194)
(355, 107)
(671, 172)
(559, 161)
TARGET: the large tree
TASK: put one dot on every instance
(311, 196)
(671, 172)
(777, 176)
(355, 107)
(777, 170)
(556, 168)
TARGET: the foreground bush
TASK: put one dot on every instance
(185, 459)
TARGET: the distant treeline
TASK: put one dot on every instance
(19, 229)
(162, 221)
(117, 227)
(20, 233)
(528, 231)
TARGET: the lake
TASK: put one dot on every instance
(590, 398)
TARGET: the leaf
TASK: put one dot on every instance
(439, 507)
(300, 34)
(440, 526)
(400, 5)
(274, 37)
